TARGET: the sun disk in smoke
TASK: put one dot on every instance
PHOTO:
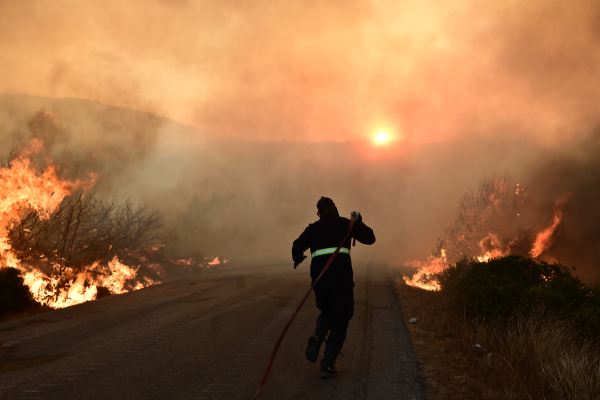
(381, 137)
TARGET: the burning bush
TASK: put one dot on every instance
(539, 320)
(485, 221)
(79, 250)
(489, 223)
(84, 230)
(69, 246)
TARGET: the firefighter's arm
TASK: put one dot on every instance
(362, 232)
(299, 247)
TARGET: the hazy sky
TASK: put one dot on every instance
(424, 70)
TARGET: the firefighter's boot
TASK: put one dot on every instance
(332, 350)
(314, 342)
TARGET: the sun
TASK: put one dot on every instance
(381, 137)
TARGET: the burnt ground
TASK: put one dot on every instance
(209, 337)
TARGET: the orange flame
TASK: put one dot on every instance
(117, 275)
(424, 278)
(491, 248)
(45, 289)
(216, 262)
(492, 209)
(82, 286)
(497, 249)
(22, 190)
(543, 240)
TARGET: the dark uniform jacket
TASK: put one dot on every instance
(328, 232)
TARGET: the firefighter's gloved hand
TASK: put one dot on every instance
(358, 216)
(296, 263)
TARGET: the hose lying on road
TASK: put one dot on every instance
(266, 375)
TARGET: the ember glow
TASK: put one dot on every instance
(216, 262)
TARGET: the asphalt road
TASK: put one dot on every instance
(209, 337)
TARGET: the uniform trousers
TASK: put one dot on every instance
(335, 299)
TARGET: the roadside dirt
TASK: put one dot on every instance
(443, 345)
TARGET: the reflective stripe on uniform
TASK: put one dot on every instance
(329, 250)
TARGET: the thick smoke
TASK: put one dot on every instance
(81, 136)
(572, 178)
(319, 70)
(247, 200)
(552, 215)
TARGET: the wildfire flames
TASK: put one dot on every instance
(23, 189)
(543, 240)
(425, 275)
(488, 248)
(496, 249)
(216, 262)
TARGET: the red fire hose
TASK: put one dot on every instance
(274, 353)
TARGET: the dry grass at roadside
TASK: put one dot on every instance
(534, 359)
(441, 348)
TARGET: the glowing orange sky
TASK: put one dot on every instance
(317, 70)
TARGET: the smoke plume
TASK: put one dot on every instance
(318, 71)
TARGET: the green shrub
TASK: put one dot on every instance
(15, 297)
(498, 290)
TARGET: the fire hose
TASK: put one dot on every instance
(274, 353)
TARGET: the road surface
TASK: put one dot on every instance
(209, 337)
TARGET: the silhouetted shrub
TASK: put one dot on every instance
(500, 289)
(14, 295)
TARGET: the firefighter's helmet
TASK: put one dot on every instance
(326, 205)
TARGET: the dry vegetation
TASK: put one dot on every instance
(533, 358)
(503, 326)
(62, 246)
(83, 230)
